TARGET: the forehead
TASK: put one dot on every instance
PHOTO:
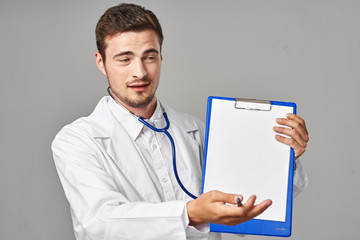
(136, 42)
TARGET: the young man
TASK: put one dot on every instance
(117, 173)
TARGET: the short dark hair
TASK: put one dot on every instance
(123, 18)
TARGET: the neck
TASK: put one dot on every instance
(145, 112)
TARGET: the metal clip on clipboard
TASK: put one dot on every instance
(253, 104)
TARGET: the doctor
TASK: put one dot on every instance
(117, 173)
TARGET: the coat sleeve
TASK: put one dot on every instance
(99, 209)
(300, 179)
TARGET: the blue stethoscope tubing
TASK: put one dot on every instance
(165, 131)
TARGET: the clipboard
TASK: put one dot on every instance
(242, 156)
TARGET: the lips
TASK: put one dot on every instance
(139, 86)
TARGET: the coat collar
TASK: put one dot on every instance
(182, 120)
(124, 117)
(104, 117)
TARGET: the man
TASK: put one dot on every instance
(117, 173)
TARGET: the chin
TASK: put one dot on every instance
(138, 103)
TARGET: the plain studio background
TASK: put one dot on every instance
(296, 50)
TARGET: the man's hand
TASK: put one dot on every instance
(298, 133)
(211, 207)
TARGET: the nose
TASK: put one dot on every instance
(139, 70)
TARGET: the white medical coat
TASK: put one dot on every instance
(106, 182)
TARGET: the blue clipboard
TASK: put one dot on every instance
(229, 123)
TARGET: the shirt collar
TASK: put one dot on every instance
(130, 121)
(158, 113)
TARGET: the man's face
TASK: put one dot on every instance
(132, 66)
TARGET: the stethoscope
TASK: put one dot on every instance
(165, 131)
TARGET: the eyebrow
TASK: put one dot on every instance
(127, 53)
(122, 54)
(151, 50)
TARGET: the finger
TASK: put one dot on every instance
(298, 149)
(237, 212)
(217, 196)
(298, 119)
(288, 141)
(250, 202)
(260, 208)
(250, 210)
(294, 125)
(236, 215)
(293, 134)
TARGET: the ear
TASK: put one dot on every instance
(100, 63)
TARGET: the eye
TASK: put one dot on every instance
(150, 58)
(124, 60)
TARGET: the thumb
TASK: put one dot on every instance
(218, 196)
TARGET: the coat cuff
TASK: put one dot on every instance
(194, 232)
(300, 179)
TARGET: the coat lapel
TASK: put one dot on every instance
(122, 150)
(124, 153)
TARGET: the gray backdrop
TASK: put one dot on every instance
(302, 51)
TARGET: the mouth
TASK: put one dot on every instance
(139, 86)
